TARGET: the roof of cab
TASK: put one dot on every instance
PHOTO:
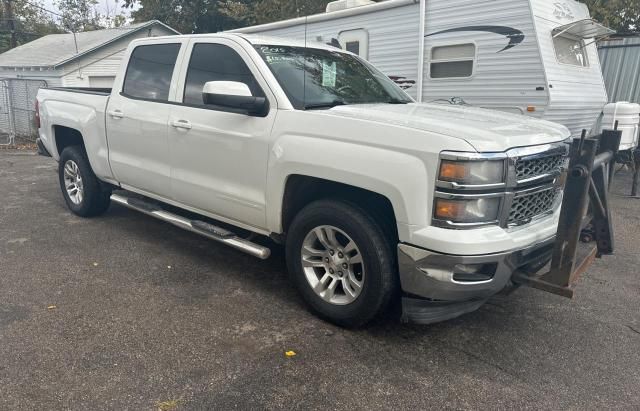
(254, 39)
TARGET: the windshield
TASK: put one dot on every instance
(329, 78)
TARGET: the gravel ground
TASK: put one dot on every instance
(126, 312)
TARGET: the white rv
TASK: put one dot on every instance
(535, 57)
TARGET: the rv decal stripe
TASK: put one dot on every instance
(515, 36)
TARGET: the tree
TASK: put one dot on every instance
(621, 15)
(79, 15)
(210, 16)
(30, 22)
(113, 16)
(193, 16)
(267, 11)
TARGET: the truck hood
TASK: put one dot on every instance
(485, 130)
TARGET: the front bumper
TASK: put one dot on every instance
(439, 286)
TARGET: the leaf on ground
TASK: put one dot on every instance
(167, 405)
(290, 353)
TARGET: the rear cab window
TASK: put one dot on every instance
(150, 71)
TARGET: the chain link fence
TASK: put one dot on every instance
(17, 110)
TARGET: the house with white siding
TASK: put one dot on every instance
(87, 59)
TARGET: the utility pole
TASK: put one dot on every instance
(12, 24)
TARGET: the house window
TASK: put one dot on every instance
(355, 41)
(570, 50)
(455, 61)
(150, 71)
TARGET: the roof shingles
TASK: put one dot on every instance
(54, 49)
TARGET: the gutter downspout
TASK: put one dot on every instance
(421, 41)
(75, 40)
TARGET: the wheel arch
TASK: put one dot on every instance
(64, 136)
(400, 180)
(301, 190)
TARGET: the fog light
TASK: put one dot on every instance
(474, 272)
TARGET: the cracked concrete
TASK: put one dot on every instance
(128, 332)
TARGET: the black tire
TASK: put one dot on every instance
(379, 286)
(96, 196)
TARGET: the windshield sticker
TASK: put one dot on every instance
(275, 55)
(329, 74)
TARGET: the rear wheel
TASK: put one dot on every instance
(341, 262)
(84, 194)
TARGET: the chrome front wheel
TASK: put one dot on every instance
(333, 265)
(341, 262)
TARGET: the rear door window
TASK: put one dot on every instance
(216, 62)
(150, 71)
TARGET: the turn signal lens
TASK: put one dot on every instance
(477, 172)
(451, 171)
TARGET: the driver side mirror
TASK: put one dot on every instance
(235, 96)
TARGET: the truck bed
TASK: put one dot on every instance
(84, 90)
(79, 109)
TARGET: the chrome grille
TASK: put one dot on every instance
(533, 167)
(527, 206)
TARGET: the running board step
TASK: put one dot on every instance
(195, 226)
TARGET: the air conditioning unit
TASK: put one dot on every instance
(347, 4)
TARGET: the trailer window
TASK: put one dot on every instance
(570, 50)
(355, 41)
(150, 71)
(454, 61)
(353, 46)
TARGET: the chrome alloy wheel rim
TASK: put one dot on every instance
(73, 182)
(332, 264)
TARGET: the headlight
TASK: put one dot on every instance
(467, 211)
(472, 172)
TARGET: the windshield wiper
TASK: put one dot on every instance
(397, 101)
(328, 104)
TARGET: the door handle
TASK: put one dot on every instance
(116, 114)
(181, 124)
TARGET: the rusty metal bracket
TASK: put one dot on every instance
(636, 173)
(585, 202)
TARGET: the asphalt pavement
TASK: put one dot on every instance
(127, 312)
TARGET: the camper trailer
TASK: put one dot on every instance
(534, 57)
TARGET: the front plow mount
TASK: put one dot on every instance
(585, 214)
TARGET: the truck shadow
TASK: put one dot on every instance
(253, 309)
(215, 269)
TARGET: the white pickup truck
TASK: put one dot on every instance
(376, 198)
